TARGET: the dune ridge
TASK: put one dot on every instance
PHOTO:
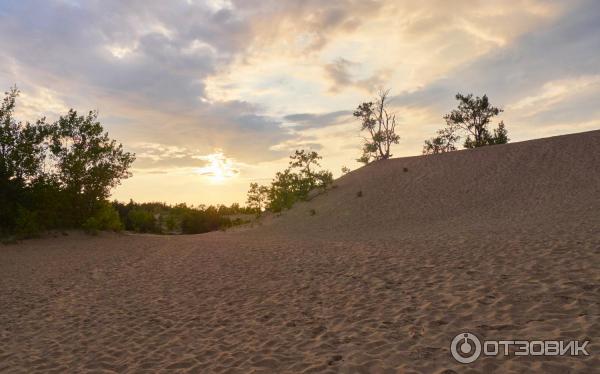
(542, 181)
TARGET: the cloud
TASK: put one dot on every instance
(143, 61)
(158, 156)
(309, 120)
(340, 74)
(541, 78)
(257, 78)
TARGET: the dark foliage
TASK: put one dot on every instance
(55, 176)
(161, 218)
(291, 185)
(472, 118)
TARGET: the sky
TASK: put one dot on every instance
(213, 95)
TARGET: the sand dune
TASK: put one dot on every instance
(503, 242)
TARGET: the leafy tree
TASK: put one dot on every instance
(55, 175)
(257, 197)
(292, 184)
(89, 162)
(106, 218)
(381, 127)
(500, 135)
(308, 178)
(473, 116)
(142, 220)
(22, 154)
(445, 141)
(21, 145)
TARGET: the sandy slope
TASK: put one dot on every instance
(503, 242)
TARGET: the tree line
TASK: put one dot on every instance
(161, 218)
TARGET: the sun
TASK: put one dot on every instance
(219, 167)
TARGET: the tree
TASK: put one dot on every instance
(257, 197)
(56, 175)
(285, 190)
(445, 141)
(89, 162)
(292, 184)
(22, 154)
(473, 116)
(21, 145)
(309, 179)
(500, 135)
(381, 127)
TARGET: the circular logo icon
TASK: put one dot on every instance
(465, 348)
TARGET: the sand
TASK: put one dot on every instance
(503, 242)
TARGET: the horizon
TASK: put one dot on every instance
(211, 97)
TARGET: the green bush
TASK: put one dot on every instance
(27, 224)
(198, 222)
(293, 184)
(142, 220)
(106, 218)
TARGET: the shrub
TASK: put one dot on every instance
(91, 226)
(106, 218)
(293, 184)
(198, 221)
(142, 220)
(27, 224)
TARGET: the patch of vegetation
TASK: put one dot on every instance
(27, 224)
(161, 218)
(380, 124)
(471, 118)
(291, 185)
(106, 218)
(56, 175)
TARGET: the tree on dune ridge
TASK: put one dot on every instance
(472, 118)
(380, 125)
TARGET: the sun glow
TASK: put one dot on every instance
(219, 169)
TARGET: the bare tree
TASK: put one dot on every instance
(381, 125)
